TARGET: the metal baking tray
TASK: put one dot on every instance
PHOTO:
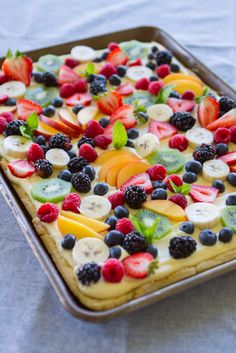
(70, 303)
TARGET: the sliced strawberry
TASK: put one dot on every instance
(139, 180)
(109, 102)
(137, 265)
(25, 107)
(227, 120)
(108, 131)
(208, 111)
(18, 67)
(202, 193)
(21, 168)
(125, 115)
(180, 105)
(67, 75)
(161, 129)
(229, 158)
(125, 89)
(117, 57)
(79, 98)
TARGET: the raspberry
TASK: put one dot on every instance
(112, 45)
(179, 141)
(35, 152)
(102, 141)
(108, 70)
(3, 124)
(124, 225)
(136, 62)
(117, 199)
(233, 133)
(175, 179)
(93, 128)
(70, 62)
(81, 86)
(3, 98)
(8, 116)
(154, 87)
(88, 152)
(188, 95)
(48, 212)
(157, 172)
(71, 202)
(113, 270)
(143, 83)
(67, 90)
(163, 70)
(222, 135)
(180, 200)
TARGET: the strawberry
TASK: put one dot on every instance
(176, 179)
(48, 212)
(21, 168)
(180, 200)
(109, 102)
(161, 129)
(35, 152)
(25, 107)
(139, 180)
(125, 89)
(180, 105)
(137, 265)
(117, 57)
(79, 98)
(202, 193)
(18, 67)
(112, 45)
(135, 62)
(229, 158)
(66, 75)
(208, 111)
(125, 115)
(227, 120)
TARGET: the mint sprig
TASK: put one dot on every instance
(163, 94)
(182, 189)
(31, 124)
(89, 70)
(119, 135)
(204, 95)
(148, 232)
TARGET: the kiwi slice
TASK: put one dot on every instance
(172, 159)
(148, 217)
(144, 98)
(51, 190)
(135, 49)
(41, 95)
(228, 217)
(49, 62)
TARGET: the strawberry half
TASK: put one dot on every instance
(137, 265)
(202, 193)
(25, 107)
(18, 67)
(142, 179)
(108, 103)
(227, 120)
(79, 98)
(125, 89)
(125, 115)
(161, 129)
(67, 75)
(208, 111)
(180, 105)
(21, 168)
(117, 57)
(229, 158)
(108, 131)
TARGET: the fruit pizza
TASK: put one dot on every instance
(126, 162)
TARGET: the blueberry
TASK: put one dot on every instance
(77, 108)
(174, 68)
(45, 148)
(90, 171)
(115, 252)
(38, 77)
(226, 234)
(151, 65)
(57, 102)
(129, 143)
(133, 133)
(104, 122)
(154, 49)
(100, 77)
(111, 221)
(193, 166)
(187, 227)
(159, 194)
(121, 212)
(114, 237)
(152, 249)
(218, 184)
(104, 54)
(174, 94)
(190, 177)
(91, 78)
(114, 80)
(231, 200)
(121, 70)
(71, 154)
(232, 179)
(100, 189)
(49, 111)
(151, 56)
(153, 78)
(68, 242)
(65, 175)
(40, 140)
(207, 237)
(10, 102)
(159, 184)
(221, 149)
(142, 118)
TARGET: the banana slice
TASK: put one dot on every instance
(215, 169)
(146, 144)
(160, 112)
(199, 135)
(90, 249)
(86, 114)
(137, 72)
(83, 53)
(13, 89)
(96, 207)
(203, 214)
(16, 146)
(57, 157)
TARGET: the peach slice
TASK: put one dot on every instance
(166, 208)
(45, 130)
(79, 230)
(178, 76)
(112, 162)
(58, 125)
(94, 224)
(129, 170)
(182, 86)
(107, 155)
(67, 119)
(80, 69)
(112, 172)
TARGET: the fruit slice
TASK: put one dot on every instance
(67, 75)
(79, 99)
(86, 114)
(182, 86)
(125, 89)
(96, 207)
(5, 109)
(21, 168)
(50, 63)
(80, 69)
(45, 130)
(58, 125)
(26, 107)
(125, 115)
(130, 170)
(94, 224)
(173, 160)
(51, 190)
(137, 265)
(18, 67)
(113, 171)
(135, 49)
(109, 102)
(107, 155)
(90, 250)
(227, 120)
(180, 105)
(68, 119)
(117, 57)
(141, 180)
(228, 217)
(229, 158)
(135, 73)
(13, 89)
(83, 53)
(146, 144)
(203, 214)
(179, 76)
(233, 168)
(79, 230)
(203, 193)
(57, 157)
(144, 98)
(161, 129)
(112, 162)
(16, 146)
(148, 217)
(166, 208)
(160, 112)
(41, 95)
(215, 169)
(208, 111)
(199, 135)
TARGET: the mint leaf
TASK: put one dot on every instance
(90, 69)
(149, 232)
(119, 135)
(174, 187)
(23, 131)
(139, 107)
(135, 223)
(152, 267)
(183, 189)
(204, 94)
(32, 121)
(163, 94)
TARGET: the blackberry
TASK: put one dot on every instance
(226, 104)
(43, 168)
(182, 120)
(181, 247)
(134, 242)
(76, 164)
(89, 273)
(81, 182)
(88, 140)
(204, 152)
(163, 57)
(49, 79)
(13, 128)
(135, 196)
(60, 141)
(97, 87)
(151, 65)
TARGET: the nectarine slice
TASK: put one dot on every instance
(112, 172)
(94, 224)
(129, 170)
(182, 86)
(166, 208)
(113, 161)
(178, 76)
(79, 230)
(107, 155)
(80, 69)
